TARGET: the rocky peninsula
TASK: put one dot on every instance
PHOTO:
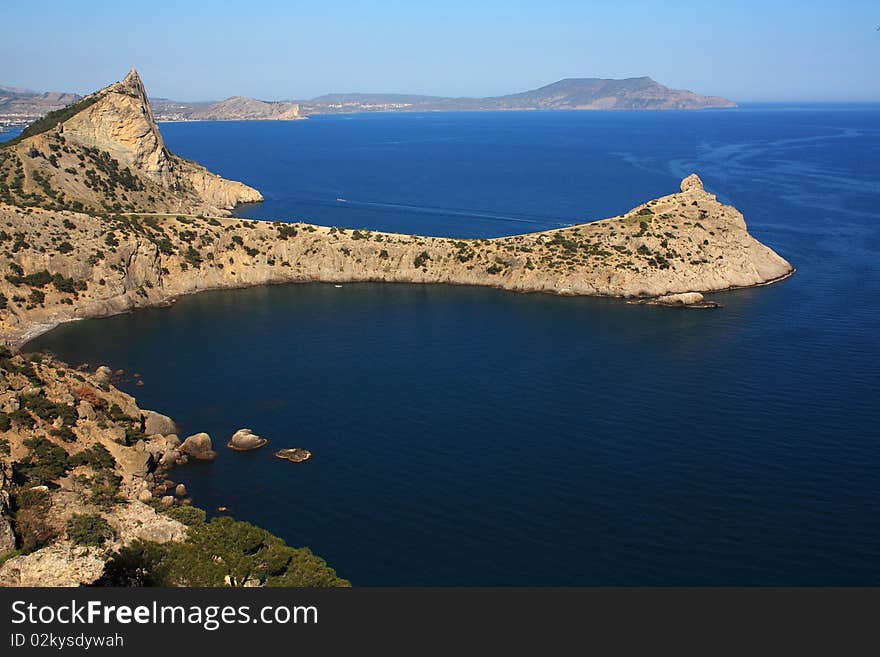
(97, 217)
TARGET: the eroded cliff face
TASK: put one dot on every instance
(66, 266)
(121, 123)
(105, 153)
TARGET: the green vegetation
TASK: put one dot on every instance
(104, 490)
(222, 552)
(48, 410)
(188, 515)
(97, 457)
(37, 279)
(52, 119)
(193, 257)
(285, 231)
(8, 555)
(44, 463)
(67, 285)
(421, 260)
(89, 529)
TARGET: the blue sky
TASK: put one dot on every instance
(748, 51)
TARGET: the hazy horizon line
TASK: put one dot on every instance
(290, 99)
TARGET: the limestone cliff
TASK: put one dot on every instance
(64, 266)
(105, 153)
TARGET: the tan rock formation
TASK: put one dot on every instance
(105, 152)
(240, 108)
(245, 440)
(121, 123)
(199, 446)
(156, 423)
(684, 242)
(7, 535)
(58, 564)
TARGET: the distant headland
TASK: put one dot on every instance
(19, 107)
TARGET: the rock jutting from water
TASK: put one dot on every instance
(199, 447)
(684, 300)
(245, 440)
(294, 454)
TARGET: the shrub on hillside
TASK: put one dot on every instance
(89, 529)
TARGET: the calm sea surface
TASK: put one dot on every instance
(473, 436)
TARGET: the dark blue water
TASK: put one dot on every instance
(473, 436)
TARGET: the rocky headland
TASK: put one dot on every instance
(237, 108)
(105, 153)
(98, 218)
(62, 265)
(86, 495)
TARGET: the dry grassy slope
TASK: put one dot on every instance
(684, 242)
(108, 155)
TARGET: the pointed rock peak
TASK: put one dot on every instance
(132, 83)
(132, 77)
(692, 184)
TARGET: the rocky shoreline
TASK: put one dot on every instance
(74, 447)
(683, 243)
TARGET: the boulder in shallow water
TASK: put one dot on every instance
(680, 300)
(199, 447)
(245, 440)
(294, 454)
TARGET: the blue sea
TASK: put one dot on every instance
(467, 436)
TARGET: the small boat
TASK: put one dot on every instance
(340, 200)
(337, 286)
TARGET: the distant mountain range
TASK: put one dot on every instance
(21, 106)
(570, 94)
